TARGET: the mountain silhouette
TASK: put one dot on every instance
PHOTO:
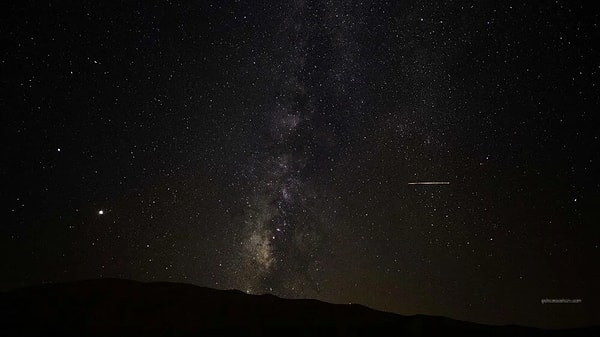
(113, 307)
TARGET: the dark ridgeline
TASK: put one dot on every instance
(112, 307)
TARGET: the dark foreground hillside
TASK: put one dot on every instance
(126, 308)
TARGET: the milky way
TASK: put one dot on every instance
(273, 222)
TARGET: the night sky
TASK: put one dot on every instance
(270, 146)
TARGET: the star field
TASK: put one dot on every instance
(435, 158)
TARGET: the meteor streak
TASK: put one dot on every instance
(430, 183)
